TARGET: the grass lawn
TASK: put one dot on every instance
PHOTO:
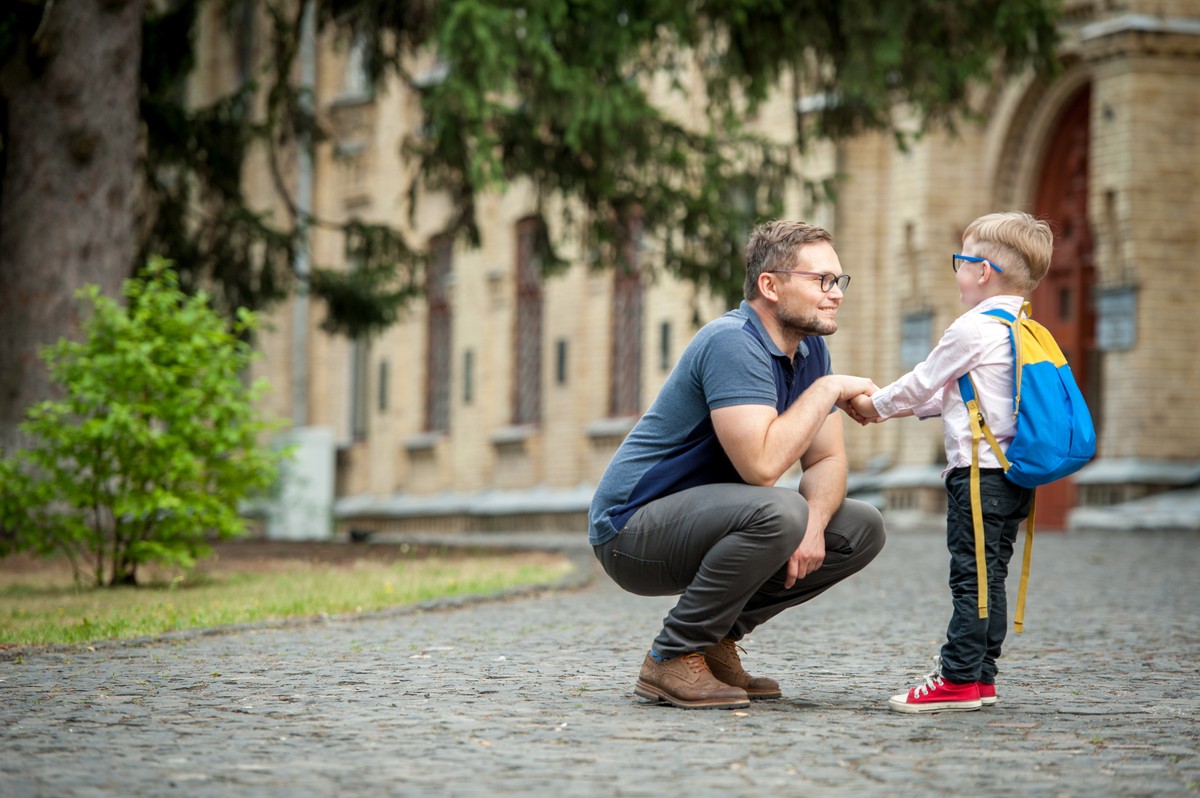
(252, 581)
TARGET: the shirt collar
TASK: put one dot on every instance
(748, 309)
(1010, 302)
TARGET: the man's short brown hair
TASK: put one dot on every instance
(773, 245)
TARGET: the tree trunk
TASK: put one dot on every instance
(67, 201)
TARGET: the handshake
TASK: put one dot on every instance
(854, 398)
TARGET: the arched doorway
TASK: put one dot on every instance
(1063, 300)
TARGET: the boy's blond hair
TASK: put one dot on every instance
(1017, 242)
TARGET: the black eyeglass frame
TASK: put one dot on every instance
(828, 279)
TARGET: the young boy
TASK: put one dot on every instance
(1004, 256)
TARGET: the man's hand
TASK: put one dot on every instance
(849, 386)
(853, 391)
(807, 558)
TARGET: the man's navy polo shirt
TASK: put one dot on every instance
(731, 361)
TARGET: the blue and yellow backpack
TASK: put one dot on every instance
(1054, 434)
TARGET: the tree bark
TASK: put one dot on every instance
(68, 197)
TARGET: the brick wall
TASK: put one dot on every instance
(897, 218)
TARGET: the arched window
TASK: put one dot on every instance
(438, 329)
(527, 338)
(625, 395)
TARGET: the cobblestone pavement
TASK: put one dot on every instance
(532, 695)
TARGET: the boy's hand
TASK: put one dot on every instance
(862, 409)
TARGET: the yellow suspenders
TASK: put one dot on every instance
(979, 429)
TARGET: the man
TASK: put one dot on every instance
(688, 505)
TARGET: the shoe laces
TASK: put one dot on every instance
(932, 680)
(730, 649)
(695, 661)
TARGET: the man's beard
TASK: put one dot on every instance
(804, 326)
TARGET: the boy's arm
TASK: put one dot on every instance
(862, 409)
(954, 355)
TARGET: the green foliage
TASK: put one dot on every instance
(155, 442)
(195, 159)
(369, 297)
(562, 93)
(559, 92)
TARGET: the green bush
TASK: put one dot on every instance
(153, 446)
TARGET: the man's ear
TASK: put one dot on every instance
(768, 287)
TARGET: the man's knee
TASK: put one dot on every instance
(781, 520)
(864, 528)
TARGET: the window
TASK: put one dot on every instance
(383, 386)
(1066, 303)
(626, 373)
(1116, 318)
(356, 82)
(360, 352)
(242, 20)
(468, 376)
(664, 346)
(560, 362)
(527, 341)
(438, 330)
(916, 336)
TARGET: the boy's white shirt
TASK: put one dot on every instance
(973, 343)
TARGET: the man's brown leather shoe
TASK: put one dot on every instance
(685, 681)
(726, 665)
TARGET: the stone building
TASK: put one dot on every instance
(497, 401)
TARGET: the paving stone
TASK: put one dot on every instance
(531, 694)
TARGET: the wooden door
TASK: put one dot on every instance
(1063, 300)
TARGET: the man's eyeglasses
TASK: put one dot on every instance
(956, 262)
(828, 281)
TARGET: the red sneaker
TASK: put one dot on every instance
(936, 694)
(987, 694)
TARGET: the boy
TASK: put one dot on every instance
(1004, 256)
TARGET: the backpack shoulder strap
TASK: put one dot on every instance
(1026, 557)
(979, 427)
(967, 389)
(1014, 338)
(980, 430)
(1003, 315)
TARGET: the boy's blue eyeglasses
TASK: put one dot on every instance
(956, 265)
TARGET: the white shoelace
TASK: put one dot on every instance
(933, 679)
(932, 682)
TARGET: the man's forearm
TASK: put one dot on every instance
(793, 432)
(824, 488)
(763, 444)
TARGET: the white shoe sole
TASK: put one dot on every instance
(899, 703)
